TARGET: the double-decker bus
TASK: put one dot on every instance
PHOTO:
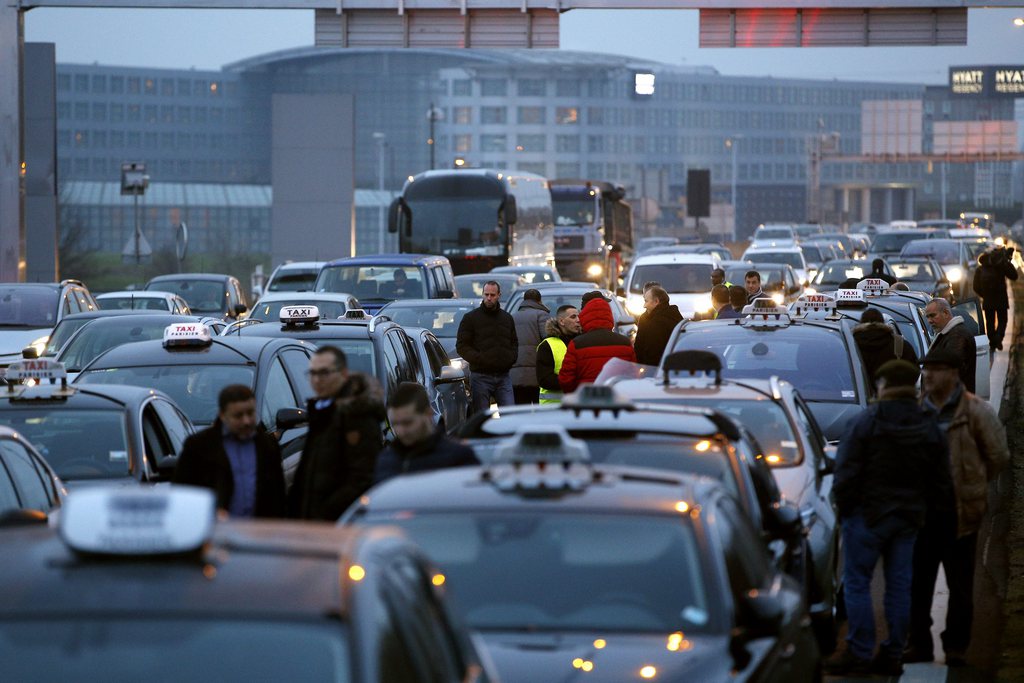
(593, 225)
(478, 218)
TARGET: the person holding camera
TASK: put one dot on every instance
(990, 284)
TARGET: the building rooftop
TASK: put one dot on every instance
(218, 195)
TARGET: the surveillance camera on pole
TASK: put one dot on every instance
(134, 182)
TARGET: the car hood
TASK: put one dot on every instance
(833, 417)
(532, 657)
(12, 341)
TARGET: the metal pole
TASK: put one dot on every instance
(380, 186)
(432, 142)
(138, 256)
(735, 213)
(942, 189)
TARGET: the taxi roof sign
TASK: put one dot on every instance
(764, 313)
(540, 457)
(299, 315)
(137, 521)
(813, 302)
(187, 334)
(355, 314)
(37, 369)
(873, 286)
(850, 297)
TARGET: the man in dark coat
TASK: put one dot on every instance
(879, 343)
(892, 471)
(419, 444)
(655, 326)
(487, 341)
(586, 355)
(990, 284)
(953, 336)
(737, 301)
(878, 272)
(530, 320)
(752, 283)
(343, 440)
(239, 463)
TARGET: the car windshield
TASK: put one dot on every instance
(943, 252)
(922, 271)
(76, 442)
(95, 339)
(202, 296)
(792, 258)
(976, 248)
(773, 234)
(673, 452)
(374, 283)
(359, 355)
(471, 286)
(530, 275)
(193, 387)
(63, 332)
(127, 303)
(293, 281)
(770, 277)
(765, 419)
(675, 278)
(28, 306)
(533, 571)
(838, 273)
(811, 253)
(893, 241)
(813, 359)
(442, 320)
(271, 310)
(62, 648)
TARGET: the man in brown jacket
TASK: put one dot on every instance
(978, 451)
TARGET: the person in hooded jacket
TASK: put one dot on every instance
(587, 353)
(343, 440)
(892, 473)
(530, 320)
(879, 343)
(953, 336)
(994, 269)
(655, 326)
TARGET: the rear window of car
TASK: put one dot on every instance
(76, 443)
(681, 278)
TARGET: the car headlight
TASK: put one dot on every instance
(635, 305)
(595, 270)
(778, 298)
(955, 274)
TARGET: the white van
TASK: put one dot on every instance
(686, 278)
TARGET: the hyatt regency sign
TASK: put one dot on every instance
(987, 81)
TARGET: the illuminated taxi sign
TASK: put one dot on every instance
(873, 286)
(36, 369)
(765, 313)
(850, 297)
(540, 458)
(187, 334)
(299, 315)
(355, 314)
(814, 302)
(137, 521)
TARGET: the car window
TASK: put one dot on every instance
(174, 422)
(8, 496)
(437, 356)
(391, 363)
(26, 474)
(745, 558)
(277, 394)
(297, 363)
(155, 438)
(408, 365)
(70, 304)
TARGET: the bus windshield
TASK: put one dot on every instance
(570, 211)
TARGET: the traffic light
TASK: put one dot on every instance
(698, 193)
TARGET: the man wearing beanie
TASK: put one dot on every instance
(892, 471)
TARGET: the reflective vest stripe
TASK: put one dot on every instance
(558, 351)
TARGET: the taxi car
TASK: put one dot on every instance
(330, 305)
(27, 484)
(120, 434)
(30, 311)
(572, 570)
(151, 301)
(794, 448)
(818, 357)
(192, 366)
(149, 580)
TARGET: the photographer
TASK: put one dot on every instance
(990, 285)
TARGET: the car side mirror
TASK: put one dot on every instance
(165, 467)
(786, 521)
(30, 352)
(239, 309)
(290, 418)
(620, 291)
(828, 464)
(450, 373)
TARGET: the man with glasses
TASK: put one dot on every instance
(343, 440)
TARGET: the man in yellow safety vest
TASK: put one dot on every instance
(551, 351)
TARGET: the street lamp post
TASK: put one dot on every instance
(433, 115)
(381, 139)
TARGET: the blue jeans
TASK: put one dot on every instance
(483, 386)
(892, 539)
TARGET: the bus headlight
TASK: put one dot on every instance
(635, 305)
(955, 274)
(595, 270)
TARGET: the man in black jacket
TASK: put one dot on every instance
(990, 284)
(419, 444)
(239, 463)
(655, 326)
(487, 341)
(879, 343)
(953, 336)
(892, 471)
(551, 351)
(343, 440)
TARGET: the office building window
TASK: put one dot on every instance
(167, 87)
(490, 87)
(567, 116)
(167, 141)
(200, 114)
(63, 82)
(99, 139)
(184, 87)
(63, 137)
(99, 112)
(149, 114)
(595, 143)
(81, 83)
(63, 110)
(184, 114)
(117, 84)
(595, 116)
(134, 139)
(167, 114)
(134, 113)
(538, 167)
(567, 88)
(184, 141)
(462, 115)
(199, 141)
(81, 111)
(595, 170)
(149, 86)
(567, 170)
(117, 139)
(216, 114)
(463, 143)
(99, 84)
(532, 87)
(81, 138)
(493, 115)
(493, 143)
(150, 141)
(462, 87)
(116, 113)
(134, 85)
(531, 143)
(531, 115)
(567, 143)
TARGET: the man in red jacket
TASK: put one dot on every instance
(598, 344)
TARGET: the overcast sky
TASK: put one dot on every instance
(208, 39)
